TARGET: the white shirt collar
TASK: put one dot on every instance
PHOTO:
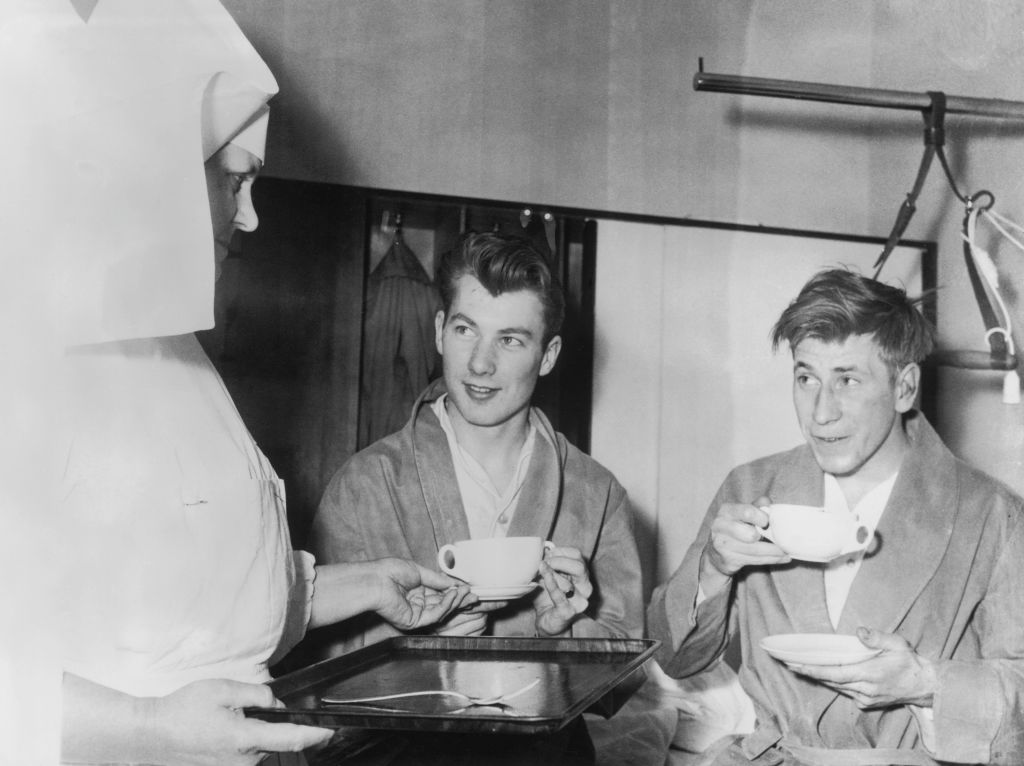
(488, 511)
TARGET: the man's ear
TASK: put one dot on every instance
(908, 383)
(439, 330)
(547, 362)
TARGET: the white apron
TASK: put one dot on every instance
(180, 563)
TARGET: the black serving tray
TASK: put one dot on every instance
(577, 675)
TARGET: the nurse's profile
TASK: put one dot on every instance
(180, 587)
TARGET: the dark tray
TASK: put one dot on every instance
(577, 674)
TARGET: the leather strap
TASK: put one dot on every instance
(934, 138)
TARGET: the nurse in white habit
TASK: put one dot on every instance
(181, 587)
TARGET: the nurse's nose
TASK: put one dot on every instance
(245, 215)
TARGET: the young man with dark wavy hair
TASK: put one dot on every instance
(477, 460)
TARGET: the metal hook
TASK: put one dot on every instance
(391, 222)
(972, 200)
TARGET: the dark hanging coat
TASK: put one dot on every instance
(399, 356)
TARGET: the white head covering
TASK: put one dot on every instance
(119, 110)
(104, 235)
(234, 112)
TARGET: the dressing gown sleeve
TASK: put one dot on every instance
(692, 636)
(979, 706)
(615, 572)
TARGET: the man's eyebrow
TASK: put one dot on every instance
(799, 365)
(524, 331)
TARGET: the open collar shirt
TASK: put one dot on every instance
(489, 510)
(839, 573)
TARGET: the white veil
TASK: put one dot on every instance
(118, 110)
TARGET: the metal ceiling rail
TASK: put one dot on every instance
(844, 94)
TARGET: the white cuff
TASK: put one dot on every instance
(300, 604)
(925, 718)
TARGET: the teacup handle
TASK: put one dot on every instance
(548, 547)
(447, 550)
(766, 532)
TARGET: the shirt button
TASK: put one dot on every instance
(503, 519)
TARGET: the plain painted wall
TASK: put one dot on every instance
(589, 103)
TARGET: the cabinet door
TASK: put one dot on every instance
(565, 394)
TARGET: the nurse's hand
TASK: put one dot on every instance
(410, 596)
(567, 589)
(471, 621)
(736, 542)
(463, 624)
(202, 724)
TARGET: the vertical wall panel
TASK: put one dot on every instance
(628, 331)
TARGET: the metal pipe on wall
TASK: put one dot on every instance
(854, 96)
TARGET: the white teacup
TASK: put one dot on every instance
(810, 533)
(493, 562)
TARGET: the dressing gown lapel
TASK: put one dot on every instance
(913, 534)
(440, 489)
(538, 501)
(801, 585)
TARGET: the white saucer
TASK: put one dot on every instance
(817, 559)
(817, 648)
(503, 592)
